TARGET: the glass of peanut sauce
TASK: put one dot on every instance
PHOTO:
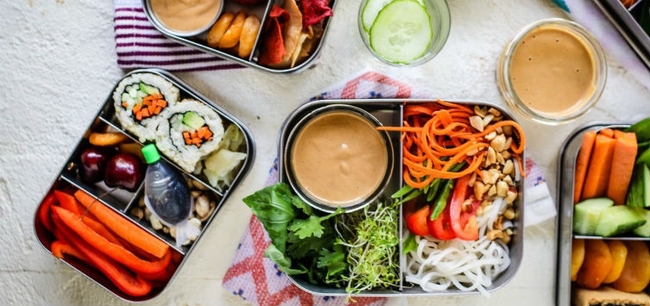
(553, 71)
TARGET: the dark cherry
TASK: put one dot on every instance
(124, 170)
(93, 163)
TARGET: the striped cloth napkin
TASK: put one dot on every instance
(258, 281)
(139, 44)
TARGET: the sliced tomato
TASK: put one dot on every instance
(440, 228)
(469, 230)
(416, 218)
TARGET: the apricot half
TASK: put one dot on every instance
(636, 271)
(619, 253)
(577, 257)
(596, 265)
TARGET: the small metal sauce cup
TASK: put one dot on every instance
(320, 204)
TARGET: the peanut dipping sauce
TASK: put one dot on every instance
(339, 158)
(553, 71)
(186, 15)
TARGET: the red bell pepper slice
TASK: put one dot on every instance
(469, 230)
(416, 218)
(44, 211)
(121, 277)
(440, 228)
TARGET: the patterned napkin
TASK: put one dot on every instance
(139, 44)
(258, 281)
(591, 17)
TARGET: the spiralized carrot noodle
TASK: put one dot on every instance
(437, 135)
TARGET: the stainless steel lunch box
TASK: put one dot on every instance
(565, 186)
(390, 113)
(262, 11)
(627, 22)
(124, 202)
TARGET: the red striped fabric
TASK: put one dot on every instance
(139, 45)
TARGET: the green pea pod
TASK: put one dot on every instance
(441, 201)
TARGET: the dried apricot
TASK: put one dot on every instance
(577, 257)
(619, 252)
(596, 265)
(636, 271)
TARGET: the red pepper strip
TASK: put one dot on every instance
(416, 219)
(440, 228)
(469, 231)
(60, 248)
(162, 276)
(114, 251)
(122, 278)
(68, 202)
(44, 211)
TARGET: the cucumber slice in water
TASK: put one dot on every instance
(402, 32)
(370, 11)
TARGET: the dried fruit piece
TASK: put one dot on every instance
(577, 257)
(596, 265)
(636, 272)
(619, 252)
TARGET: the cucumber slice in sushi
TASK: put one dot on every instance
(402, 32)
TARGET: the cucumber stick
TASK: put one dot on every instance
(401, 32)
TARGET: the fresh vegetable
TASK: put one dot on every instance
(44, 211)
(623, 157)
(416, 218)
(402, 32)
(619, 252)
(596, 265)
(438, 136)
(356, 251)
(124, 170)
(302, 243)
(599, 167)
(636, 271)
(582, 163)
(151, 105)
(113, 251)
(60, 248)
(372, 248)
(586, 215)
(641, 129)
(618, 219)
(643, 230)
(577, 257)
(122, 227)
(463, 230)
(638, 193)
(125, 280)
(440, 228)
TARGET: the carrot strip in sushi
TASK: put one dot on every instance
(599, 167)
(623, 160)
(582, 163)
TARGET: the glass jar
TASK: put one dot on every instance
(397, 38)
(552, 71)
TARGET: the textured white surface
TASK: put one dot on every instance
(58, 63)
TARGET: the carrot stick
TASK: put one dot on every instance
(582, 161)
(607, 132)
(114, 251)
(122, 227)
(69, 202)
(599, 167)
(623, 159)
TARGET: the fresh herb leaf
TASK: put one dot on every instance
(283, 262)
(409, 244)
(273, 207)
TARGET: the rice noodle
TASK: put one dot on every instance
(466, 265)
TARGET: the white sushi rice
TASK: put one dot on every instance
(169, 135)
(145, 129)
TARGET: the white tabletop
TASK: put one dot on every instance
(59, 63)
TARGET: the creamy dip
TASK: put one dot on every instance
(186, 15)
(339, 158)
(552, 71)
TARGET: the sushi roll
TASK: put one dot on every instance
(188, 132)
(139, 99)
